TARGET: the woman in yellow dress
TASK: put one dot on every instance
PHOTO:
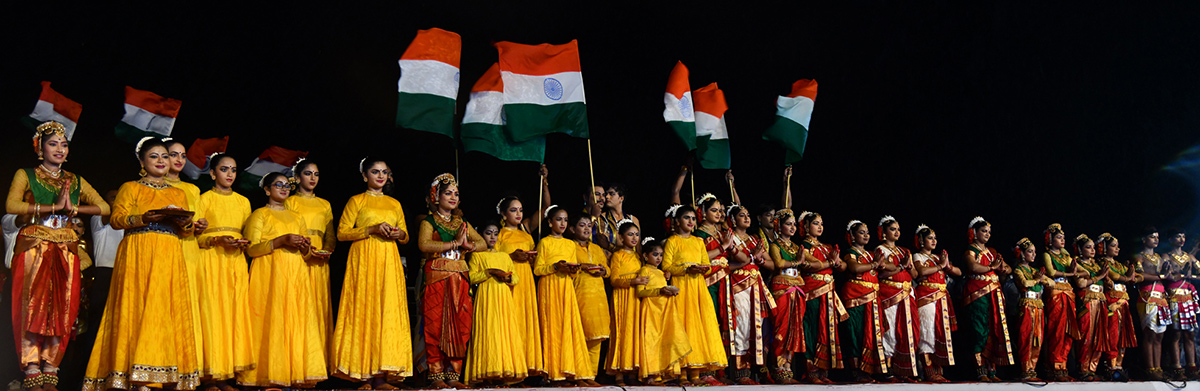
(177, 154)
(664, 339)
(146, 337)
(444, 240)
(564, 346)
(46, 264)
(589, 288)
(685, 257)
(224, 280)
(318, 217)
(286, 332)
(372, 340)
(497, 353)
(515, 240)
(625, 346)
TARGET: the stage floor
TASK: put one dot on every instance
(1131, 386)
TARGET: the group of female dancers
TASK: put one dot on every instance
(497, 306)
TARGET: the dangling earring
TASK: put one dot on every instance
(40, 157)
(142, 172)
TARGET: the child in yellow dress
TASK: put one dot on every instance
(664, 340)
(625, 346)
(497, 353)
(564, 346)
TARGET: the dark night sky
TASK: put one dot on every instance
(1026, 113)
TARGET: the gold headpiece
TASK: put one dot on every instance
(47, 129)
(1024, 243)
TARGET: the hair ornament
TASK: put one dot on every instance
(47, 129)
(671, 210)
(921, 227)
(976, 220)
(886, 219)
(361, 163)
(803, 214)
(262, 182)
(138, 149)
(296, 166)
(705, 197)
(546, 213)
(647, 239)
(1024, 243)
(1082, 238)
(623, 221)
(852, 224)
(498, 206)
(445, 179)
(729, 210)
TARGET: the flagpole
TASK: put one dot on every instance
(541, 213)
(787, 195)
(456, 173)
(732, 195)
(692, 174)
(591, 190)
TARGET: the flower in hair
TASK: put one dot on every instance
(852, 224)
(975, 220)
(546, 214)
(647, 239)
(138, 149)
(671, 210)
(886, 219)
(922, 227)
(705, 197)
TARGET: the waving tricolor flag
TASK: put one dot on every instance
(543, 90)
(428, 83)
(197, 155)
(52, 106)
(274, 159)
(679, 112)
(147, 114)
(483, 123)
(712, 137)
(792, 115)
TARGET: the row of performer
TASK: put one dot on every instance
(713, 300)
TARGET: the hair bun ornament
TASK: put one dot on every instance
(1024, 243)
(886, 219)
(137, 150)
(922, 227)
(262, 182)
(1054, 227)
(729, 210)
(802, 215)
(671, 210)
(647, 239)
(498, 205)
(361, 163)
(296, 166)
(1082, 238)
(705, 197)
(445, 178)
(852, 224)
(623, 221)
(546, 214)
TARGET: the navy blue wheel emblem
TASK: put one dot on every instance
(456, 76)
(685, 107)
(553, 88)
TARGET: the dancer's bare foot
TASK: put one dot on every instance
(439, 385)
(457, 384)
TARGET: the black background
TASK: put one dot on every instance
(1023, 112)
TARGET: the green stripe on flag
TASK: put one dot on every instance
(713, 154)
(490, 139)
(686, 132)
(30, 122)
(790, 134)
(528, 121)
(130, 134)
(425, 112)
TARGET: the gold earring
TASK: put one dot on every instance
(40, 157)
(142, 172)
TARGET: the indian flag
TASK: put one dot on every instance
(53, 106)
(429, 82)
(679, 112)
(712, 137)
(147, 114)
(274, 159)
(792, 115)
(543, 90)
(197, 155)
(483, 123)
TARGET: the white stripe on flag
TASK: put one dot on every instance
(428, 77)
(44, 111)
(485, 107)
(678, 109)
(558, 88)
(707, 125)
(145, 120)
(261, 167)
(798, 109)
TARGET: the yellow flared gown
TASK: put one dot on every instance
(318, 217)
(525, 296)
(191, 259)
(497, 350)
(287, 338)
(695, 304)
(589, 291)
(664, 340)
(625, 346)
(372, 336)
(564, 346)
(147, 334)
(224, 286)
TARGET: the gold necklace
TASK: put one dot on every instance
(441, 216)
(52, 174)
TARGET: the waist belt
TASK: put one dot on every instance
(867, 284)
(906, 285)
(820, 277)
(790, 272)
(985, 277)
(1035, 295)
(933, 285)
